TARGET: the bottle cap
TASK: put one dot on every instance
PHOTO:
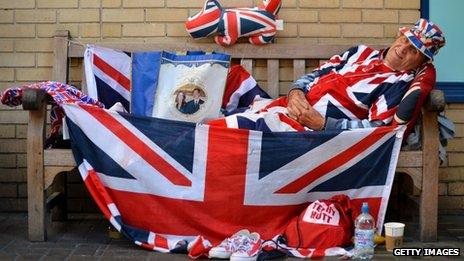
(365, 208)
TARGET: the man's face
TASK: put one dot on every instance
(402, 55)
(196, 94)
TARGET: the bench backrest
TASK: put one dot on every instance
(301, 55)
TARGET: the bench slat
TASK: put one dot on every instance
(59, 157)
(273, 78)
(247, 64)
(410, 159)
(271, 51)
(298, 68)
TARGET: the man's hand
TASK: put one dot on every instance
(300, 110)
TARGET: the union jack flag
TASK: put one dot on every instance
(108, 75)
(161, 181)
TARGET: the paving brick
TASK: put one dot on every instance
(6, 45)
(456, 159)
(456, 145)
(89, 3)
(79, 15)
(13, 204)
(289, 3)
(455, 115)
(167, 15)
(6, 16)
(123, 15)
(45, 59)
(401, 4)
(300, 16)
(459, 132)
(362, 4)
(176, 29)
(185, 4)
(319, 30)
(14, 117)
(22, 190)
(290, 30)
(33, 74)
(48, 30)
(17, 4)
(21, 160)
(89, 30)
(6, 74)
(34, 45)
(362, 30)
(340, 16)
(7, 161)
(111, 30)
(6, 131)
(13, 175)
(143, 30)
(391, 30)
(456, 188)
(17, 30)
(57, 4)
(238, 3)
(12, 146)
(380, 16)
(320, 3)
(35, 16)
(143, 3)
(8, 190)
(17, 59)
(21, 131)
(450, 202)
(409, 16)
(111, 3)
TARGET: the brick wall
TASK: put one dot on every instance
(26, 28)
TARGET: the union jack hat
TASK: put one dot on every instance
(425, 36)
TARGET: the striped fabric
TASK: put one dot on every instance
(241, 91)
(256, 23)
(352, 90)
(108, 75)
(163, 182)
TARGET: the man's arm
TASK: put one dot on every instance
(298, 107)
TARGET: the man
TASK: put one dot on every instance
(194, 105)
(361, 88)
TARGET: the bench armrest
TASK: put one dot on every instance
(33, 99)
(435, 101)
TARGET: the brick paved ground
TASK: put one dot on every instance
(86, 239)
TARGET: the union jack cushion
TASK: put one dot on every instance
(258, 23)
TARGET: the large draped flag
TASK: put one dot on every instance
(161, 181)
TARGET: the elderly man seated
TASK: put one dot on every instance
(361, 88)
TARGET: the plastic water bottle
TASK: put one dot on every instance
(364, 234)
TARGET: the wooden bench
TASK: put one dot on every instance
(44, 166)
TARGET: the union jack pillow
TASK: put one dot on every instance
(258, 23)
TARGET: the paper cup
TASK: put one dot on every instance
(393, 235)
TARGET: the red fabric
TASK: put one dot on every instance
(323, 224)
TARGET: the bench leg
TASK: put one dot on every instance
(35, 175)
(59, 213)
(429, 192)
